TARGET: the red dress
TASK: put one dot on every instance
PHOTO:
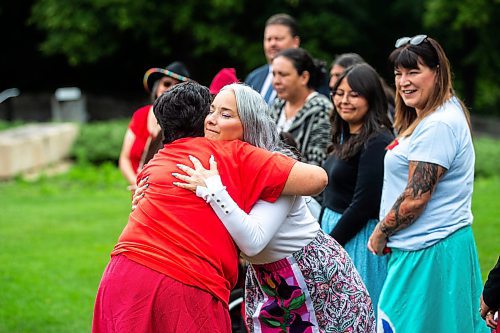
(139, 126)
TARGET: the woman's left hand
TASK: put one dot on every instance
(377, 242)
(487, 314)
(195, 177)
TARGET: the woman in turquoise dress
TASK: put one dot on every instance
(433, 279)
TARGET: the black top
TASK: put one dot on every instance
(355, 187)
(491, 292)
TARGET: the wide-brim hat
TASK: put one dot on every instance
(224, 77)
(175, 70)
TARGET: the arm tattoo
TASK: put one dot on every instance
(424, 178)
(410, 204)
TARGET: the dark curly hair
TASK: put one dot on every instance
(181, 111)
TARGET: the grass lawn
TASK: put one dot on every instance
(56, 235)
(486, 210)
(55, 240)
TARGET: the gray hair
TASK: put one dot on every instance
(347, 60)
(259, 129)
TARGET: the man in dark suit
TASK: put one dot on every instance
(280, 33)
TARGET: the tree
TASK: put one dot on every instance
(86, 31)
(221, 31)
(210, 34)
(471, 38)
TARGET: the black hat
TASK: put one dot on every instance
(175, 70)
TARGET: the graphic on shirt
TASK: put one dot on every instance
(384, 323)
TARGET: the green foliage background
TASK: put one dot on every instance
(99, 142)
(222, 33)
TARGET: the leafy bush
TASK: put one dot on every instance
(7, 125)
(487, 157)
(99, 142)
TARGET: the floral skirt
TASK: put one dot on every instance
(317, 289)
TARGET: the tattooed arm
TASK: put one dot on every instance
(422, 180)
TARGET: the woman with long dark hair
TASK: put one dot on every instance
(355, 166)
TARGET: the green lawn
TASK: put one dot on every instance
(486, 210)
(55, 240)
(56, 235)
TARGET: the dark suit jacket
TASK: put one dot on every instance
(491, 292)
(257, 77)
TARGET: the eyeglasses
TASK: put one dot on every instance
(340, 94)
(415, 40)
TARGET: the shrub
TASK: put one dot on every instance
(7, 125)
(99, 142)
(487, 157)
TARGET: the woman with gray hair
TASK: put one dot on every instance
(258, 128)
(298, 277)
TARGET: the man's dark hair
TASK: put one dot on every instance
(181, 111)
(286, 20)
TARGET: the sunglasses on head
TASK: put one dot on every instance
(415, 40)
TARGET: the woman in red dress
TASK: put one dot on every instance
(143, 127)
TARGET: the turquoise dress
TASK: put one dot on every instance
(371, 268)
(423, 285)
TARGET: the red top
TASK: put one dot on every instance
(139, 126)
(176, 233)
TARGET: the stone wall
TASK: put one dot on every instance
(35, 146)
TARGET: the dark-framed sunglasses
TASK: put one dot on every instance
(415, 40)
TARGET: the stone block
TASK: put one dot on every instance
(34, 146)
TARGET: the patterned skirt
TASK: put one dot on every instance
(317, 289)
